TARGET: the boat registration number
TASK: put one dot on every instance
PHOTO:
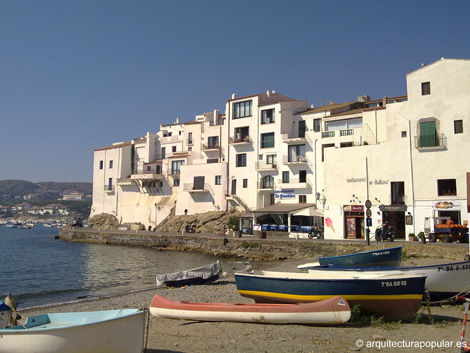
(381, 253)
(453, 268)
(393, 283)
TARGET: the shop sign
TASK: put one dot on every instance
(446, 205)
(353, 208)
(284, 194)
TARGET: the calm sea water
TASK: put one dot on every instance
(39, 270)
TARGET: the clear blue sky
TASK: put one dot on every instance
(80, 75)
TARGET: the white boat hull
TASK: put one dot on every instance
(118, 335)
(442, 281)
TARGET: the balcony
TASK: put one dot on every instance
(263, 186)
(147, 177)
(294, 183)
(171, 139)
(210, 147)
(192, 188)
(294, 138)
(429, 143)
(240, 140)
(262, 165)
(296, 160)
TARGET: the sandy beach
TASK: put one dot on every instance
(166, 335)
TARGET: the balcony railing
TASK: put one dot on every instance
(171, 139)
(328, 134)
(431, 142)
(262, 165)
(240, 140)
(294, 183)
(295, 160)
(190, 187)
(347, 132)
(266, 186)
(210, 146)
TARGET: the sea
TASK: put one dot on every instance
(40, 270)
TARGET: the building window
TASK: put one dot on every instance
(302, 176)
(403, 134)
(213, 142)
(241, 160)
(302, 198)
(101, 164)
(425, 88)
(242, 134)
(345, 144)
(428, 134)
(176, 167)
(285, 177)
(111, 164)
(212, 160)
(458, 126)
(446, 187)
(149, 168)
(173, 149)
(271, 159)
(267, 116)
(398, 192)
(245, 183)
(190, 138)
(268, 182)
(218, 180)
(163, 152)
(296, 153)
(317, 125)
(110, 184)
(176, 182)
(242, 109)
(267, 140)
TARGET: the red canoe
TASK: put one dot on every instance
(334, 310)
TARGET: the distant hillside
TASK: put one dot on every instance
(11, 190)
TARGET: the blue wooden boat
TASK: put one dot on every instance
(391, 296)
(111, 331)
(389, 257)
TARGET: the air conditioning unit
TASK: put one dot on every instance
(301, 159)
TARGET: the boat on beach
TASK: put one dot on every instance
(391, 296)
(443, 281)
(374, 258)
(200, 275)
(112, 331)
(331, 311)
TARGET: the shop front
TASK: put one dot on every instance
(354, 221)
(395, 216)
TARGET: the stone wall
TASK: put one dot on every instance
(253, 248)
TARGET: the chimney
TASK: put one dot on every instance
(384, 101)
(312, 106)
(234, 95)
(215, 118)
(268, 93)
(177, 120)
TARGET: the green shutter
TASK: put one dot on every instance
(428, 135)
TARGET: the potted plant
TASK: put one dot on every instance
(233, 224)
(411, 236)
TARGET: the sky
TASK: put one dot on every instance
(79, 75)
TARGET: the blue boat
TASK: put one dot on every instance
(392, 296)
(390, 257)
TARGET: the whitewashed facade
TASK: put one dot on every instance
(404, 154)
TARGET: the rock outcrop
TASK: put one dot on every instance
(208, 222)
(103, 221)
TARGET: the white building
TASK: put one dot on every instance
(293, 164)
